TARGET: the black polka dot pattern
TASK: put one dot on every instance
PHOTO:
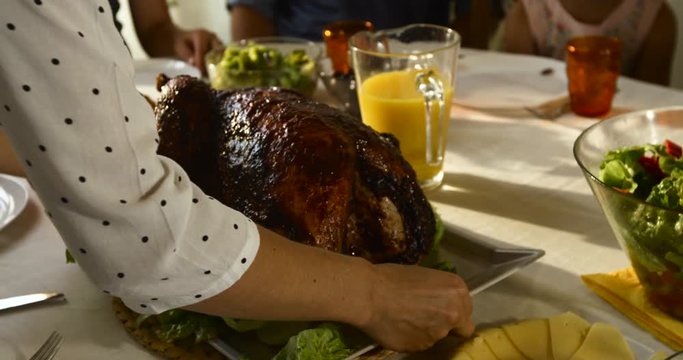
(144, 239)
(108, 149)
(105, 223)
(100, 9)
(154, 299)
(195, 200)
(81, 179)
(68, 121)
(64, 200)
(126, 119)
(198, 296)
(54, 61)
(163, 202)
(38, 2)
(142, 171)
(123, 201)
(81, 34)
(205, 238)
(143, 306)
(29, 163)
(7, 108)
(244, 260)
(96, 91)
(235, 226)
(106, 292)
(83, 251)
(120, 275)
(26, 88)
(164, 279)
(42, 148)
(11, 26)
(207, 272)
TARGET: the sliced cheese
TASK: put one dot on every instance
(603, 342)
(478, 349)
(500, 344)
(659, 356)
(531, 338)
(567, 332)
(461, 355)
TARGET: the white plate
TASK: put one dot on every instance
(146, 72)
(491, 80)
(13, 199)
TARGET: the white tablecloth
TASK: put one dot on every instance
(512, 179)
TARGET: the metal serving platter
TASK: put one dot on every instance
(479, 260)
(482, 261)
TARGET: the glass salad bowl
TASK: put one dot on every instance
(646, 219)
(285, 62)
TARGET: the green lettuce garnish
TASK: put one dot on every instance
(432, 260)
(178, 324)
(322, 343)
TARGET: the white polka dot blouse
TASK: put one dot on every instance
(133, 220)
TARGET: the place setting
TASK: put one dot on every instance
(509, 84)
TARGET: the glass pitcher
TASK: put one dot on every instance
(405, 82)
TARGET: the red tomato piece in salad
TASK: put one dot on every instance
(673, 149)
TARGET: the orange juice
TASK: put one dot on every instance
(390, 103)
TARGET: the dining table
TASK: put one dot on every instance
(508, 176)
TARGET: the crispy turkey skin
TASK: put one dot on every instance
(301, 168)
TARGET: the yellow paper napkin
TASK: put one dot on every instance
(623, 290)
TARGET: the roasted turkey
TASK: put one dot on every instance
(299, 167)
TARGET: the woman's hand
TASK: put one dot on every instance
(413, 307)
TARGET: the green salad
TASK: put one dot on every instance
(653, 235)
(261, 65)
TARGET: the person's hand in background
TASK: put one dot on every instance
(192, 45)
(159, 37)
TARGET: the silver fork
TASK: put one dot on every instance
(550, 110)
(48, 350)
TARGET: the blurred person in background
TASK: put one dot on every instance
(160, 37)
(647, 29)
(306, 18)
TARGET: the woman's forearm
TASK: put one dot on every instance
(308, 283)
(402, 307)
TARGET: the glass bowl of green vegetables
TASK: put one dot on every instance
(263, 62)
(634, 166)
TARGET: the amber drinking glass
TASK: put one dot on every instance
(337, 36)
(592, 70)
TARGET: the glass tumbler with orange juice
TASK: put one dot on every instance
(405, 81)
